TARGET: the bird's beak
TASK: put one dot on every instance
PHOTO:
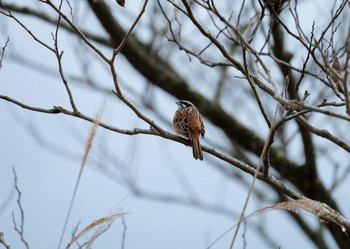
(178, 103)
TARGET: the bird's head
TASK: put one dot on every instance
(184, 103)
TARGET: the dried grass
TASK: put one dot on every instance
(82, 166)
(320, 210)
(100, 224)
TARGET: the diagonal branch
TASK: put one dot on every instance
(3, 242)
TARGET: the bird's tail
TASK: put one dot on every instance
(196, 147)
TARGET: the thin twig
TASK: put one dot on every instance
(20, 229)
(59, 60)
(240, 14)
(252, 86)
(346, 74)
(124, 233)
(9, 14)
(50, 20)
(3, 51)
(122, 43)
(118, 92)
(77, 30)
(305, 63)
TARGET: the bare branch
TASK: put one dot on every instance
(324, 133)
(246, 168)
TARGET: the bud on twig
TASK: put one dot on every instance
(121, 2)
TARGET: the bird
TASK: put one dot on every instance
(188, 123)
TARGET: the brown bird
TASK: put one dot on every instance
(188, 122)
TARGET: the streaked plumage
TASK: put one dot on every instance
(188, 122)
